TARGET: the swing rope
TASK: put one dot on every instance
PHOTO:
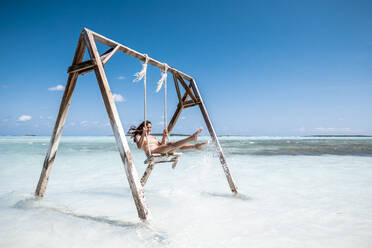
(139, 76)
(163, 80)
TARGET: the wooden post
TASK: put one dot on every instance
(214, 137)
(179, 109)
(147, 173)
(177, 88)
(132, 176)
(61, 118)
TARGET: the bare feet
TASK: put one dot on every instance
(201, 145)
(195, 135)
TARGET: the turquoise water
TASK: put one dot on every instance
(294, 192)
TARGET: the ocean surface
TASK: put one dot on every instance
(293, 192)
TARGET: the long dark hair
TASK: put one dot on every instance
(133, 130)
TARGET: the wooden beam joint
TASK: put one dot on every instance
(188, 104)
(81, 67)
(89, 65)
(186, 87)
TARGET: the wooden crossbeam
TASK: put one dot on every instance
(108, 42)
(186, 87)
(190, 103)
(87, 66)
(109, 55)
(83, 66)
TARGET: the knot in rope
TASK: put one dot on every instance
(142, 73)
(163, 77)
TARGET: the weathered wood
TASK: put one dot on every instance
(147, 173)
(85, 71)
(187, 88)
(177, 113)
(177, 89)
(81, 67)
(109, 55)
(154, 159)
(108, 42)
(89, 65)
(190, 103)
(214, 138)
(61, 118)
(175, 117)
(162, 158)
(175, 162)
(132, 176)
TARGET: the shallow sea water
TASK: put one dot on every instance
(293, 192)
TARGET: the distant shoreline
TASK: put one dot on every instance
(336, 135)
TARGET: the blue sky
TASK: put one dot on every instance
(263, 67)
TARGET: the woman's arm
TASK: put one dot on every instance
(140, 140)
(165, 135)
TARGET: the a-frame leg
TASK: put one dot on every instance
(147, 173)
(214, 138)
(57, 131)
(180, 106)
(132, 176)
(208, 122)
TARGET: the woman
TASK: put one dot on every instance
(147, 142)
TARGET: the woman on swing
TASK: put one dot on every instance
(147, 142)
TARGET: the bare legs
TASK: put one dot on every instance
(181, 144)
(197, 146)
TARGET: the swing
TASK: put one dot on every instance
(87, 41)
(155, 158)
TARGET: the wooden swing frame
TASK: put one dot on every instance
(88, 40)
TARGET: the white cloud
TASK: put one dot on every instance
(24, 118)
(120, 78)
(59, 87)
(333, 129)
(84, 123)
(118, 98)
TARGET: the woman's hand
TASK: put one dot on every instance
(165, 135)
(144, 130)
(165, 132)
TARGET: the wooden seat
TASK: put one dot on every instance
(156, 158)
(163, 158)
